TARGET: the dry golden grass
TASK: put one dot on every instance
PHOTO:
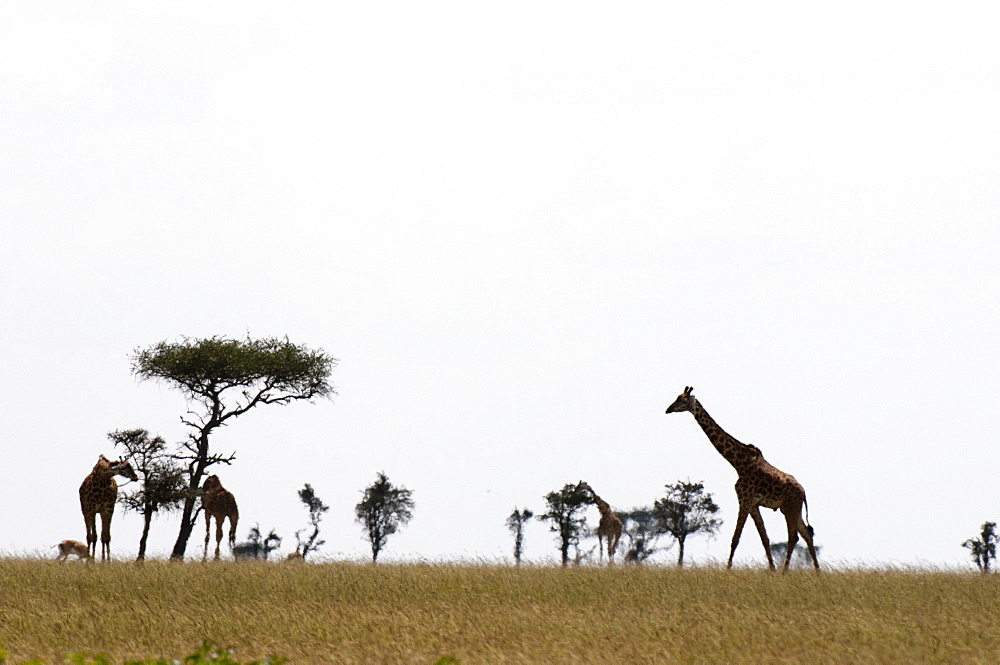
(356, 613)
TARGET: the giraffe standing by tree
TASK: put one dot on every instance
(218, 502)
(609, 528)
(97, 495)
(759, 484)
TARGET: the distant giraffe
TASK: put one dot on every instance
(609, 528)
(759, 484)
(219, 503)
(97, 495)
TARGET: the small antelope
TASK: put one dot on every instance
(68, 547)
(295, 557)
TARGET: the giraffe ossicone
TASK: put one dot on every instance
(759, 484)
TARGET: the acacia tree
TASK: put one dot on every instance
(800, 555)
(382, 510)
(564, 511)
(316, 508)
(984, 548)
(685, 510)
(515, 522)
(222, 379)
(639, 525)
(163, 486)
(257, 544)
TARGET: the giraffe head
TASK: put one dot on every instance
(684, 402)
(583, 486)
(211, 483)
(122, 468)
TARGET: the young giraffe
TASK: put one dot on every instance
(609, 528)
(219, 503)
(97, 495)
(759, 484)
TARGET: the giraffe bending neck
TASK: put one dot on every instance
(97, 497)
(609, 528)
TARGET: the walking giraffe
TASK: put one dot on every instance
(609, 528)
(759, 484)
(219, 503)
(97, 495)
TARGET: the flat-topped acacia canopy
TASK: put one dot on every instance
(226, 378)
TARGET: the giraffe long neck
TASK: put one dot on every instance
(98, 479)
(98, 490)
(728, 446)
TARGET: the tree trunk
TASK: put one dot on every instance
(680, 556)
(147, 518)
(187, 519)
(186, 528)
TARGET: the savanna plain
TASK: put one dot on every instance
(340, 612)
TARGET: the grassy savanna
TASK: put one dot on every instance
(361, 613)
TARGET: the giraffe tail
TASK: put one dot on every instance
(805, 502)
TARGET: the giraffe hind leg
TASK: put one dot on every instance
(793, 539)
(807, 535)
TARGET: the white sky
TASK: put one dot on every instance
(522, 230)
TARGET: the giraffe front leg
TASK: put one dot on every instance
(91, 523)
(740, 521)
(208, 530)
(105, 536)
(218, 536)
(759, 522)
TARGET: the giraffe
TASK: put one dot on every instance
(219, 503)
(97, 495)
(759, 484)
(609, 528)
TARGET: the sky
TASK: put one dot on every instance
(522, 230)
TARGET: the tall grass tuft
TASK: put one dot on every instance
(423, 613)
